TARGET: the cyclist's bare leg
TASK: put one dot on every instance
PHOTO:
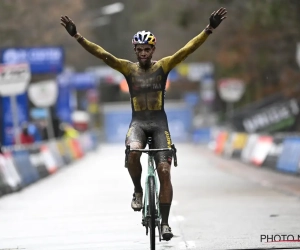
(136, 138)
(135, 167)
(166, 190)
(163, 160)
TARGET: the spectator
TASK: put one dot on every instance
(25, 137)
(33, 130)
(69, 131)
(58, 133)
(56, 127)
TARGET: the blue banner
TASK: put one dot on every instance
(42, 60)
(191, 98)
(38, 113)
(27, 171)
(67, 83)
(180, 121)
(202, 135)
(116, 124)
(7, 118)
(290, 157)
(81, 81)
(63, 105)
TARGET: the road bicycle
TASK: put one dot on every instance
(151, 217)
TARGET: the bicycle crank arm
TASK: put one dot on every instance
(159, 232)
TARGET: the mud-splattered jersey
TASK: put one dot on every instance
(146, 87)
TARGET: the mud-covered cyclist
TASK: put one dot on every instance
(146, 81)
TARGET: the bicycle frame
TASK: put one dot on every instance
(151, 172)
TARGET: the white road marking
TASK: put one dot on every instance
(187, 245)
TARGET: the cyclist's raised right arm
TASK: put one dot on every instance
(96, 50)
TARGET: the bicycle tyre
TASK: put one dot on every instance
(151, 185)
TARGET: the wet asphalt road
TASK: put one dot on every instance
(218, 204)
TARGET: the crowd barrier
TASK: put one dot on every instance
(280, 152)
(23, 165)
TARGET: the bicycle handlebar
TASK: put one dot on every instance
(147, 151)
(151, 150)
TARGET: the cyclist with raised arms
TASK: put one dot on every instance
(146, 80)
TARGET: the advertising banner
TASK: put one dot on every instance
(274, 117)
(180, 122)
(247, 151)
(84, 80)
(14, 79)
(10, 178)
(43, 94)
(231, 89)
(116, 124)
(235, 144)
(28, 173)
(67, 84)
(7, 117)
(275, 152)
(117, 119)
(42, 60)
(290, 157)
(63, 102)
(38, 162)
(261, 149)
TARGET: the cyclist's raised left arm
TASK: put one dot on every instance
(215, 19)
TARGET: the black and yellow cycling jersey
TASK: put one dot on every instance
(146, 87)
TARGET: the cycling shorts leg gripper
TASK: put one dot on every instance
(162, 139)
(135, 134)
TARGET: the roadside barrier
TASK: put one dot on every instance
(289, 159)
(235, 144)
(247, 152)
(279, 152)
(28, 173)
(23, 165)
(275, 152)
(261, 149)
(37, 161)
(48, 158)
(221, 139)
(202, 135)
(10, 180)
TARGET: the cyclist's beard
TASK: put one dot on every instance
(145, 63)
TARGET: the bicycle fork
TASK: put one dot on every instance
(146, 211)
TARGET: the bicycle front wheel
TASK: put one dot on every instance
(152, 211)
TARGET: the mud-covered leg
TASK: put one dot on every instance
(165, 198)
(163, 162)
(135, 167)
(136, 139)
(166, 191)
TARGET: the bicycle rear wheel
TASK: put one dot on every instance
(152, 211)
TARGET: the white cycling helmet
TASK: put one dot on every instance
(143, 37)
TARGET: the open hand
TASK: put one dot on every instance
(217, 17)
(69, 25)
